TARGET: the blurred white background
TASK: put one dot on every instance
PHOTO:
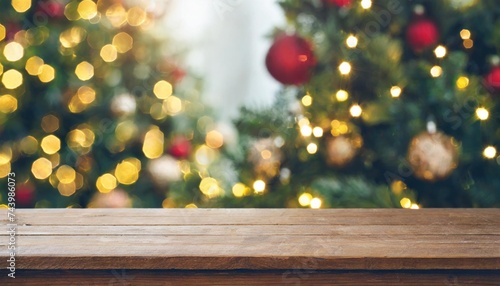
(226, 43)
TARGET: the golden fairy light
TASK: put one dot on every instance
(366, 4)
(342, 95)
(462, 82)
(240, 190)
(50, 144)
(465, 34)
(5, 155)
(29, 145)
(440, 51)
(436, 71)
(355, 110)
(47, 73)
(86, 94)
(312, 148)
(12, 79)
(5, 170)
(13, 51)
(345, 68)
(84, 71)
(127, 172)
(490, 152)
(259, 186)
(204, 155)
(8, 103)
(106, 183)
(2, 32)
(153, 143)
(306, 100)
(351, 41)
(316, 203)
(468, 43)
(66, 189)
(172, 105)
(306, 130)
(136, 16)
(21, 6)
(41, 168)
(125, 130)
(210, 187)
(72, 37)
(162, 89)
(123, 42)
(87, 9)
(65, 174)
(405, 203)
(317, 132)
(117, 15)
(395, 91)
(214, 139)
(191, 206)
(305, 199)
(108, 53)
(482, 113)
(34, 65)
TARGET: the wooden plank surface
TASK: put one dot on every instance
(230, 278)
(258, 239)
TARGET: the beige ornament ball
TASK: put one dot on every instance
(266, 157)
(117, 198)
(123, 105)
(164, 170)
(433, 156)
(340, 150)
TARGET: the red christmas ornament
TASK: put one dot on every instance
(52, 9)
(338, 3)
(290, 60)
(422, 34)
(180, 148)
(25, 196)
(11, 30)
(492, 80)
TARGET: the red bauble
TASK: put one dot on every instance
(290, 60)
(422, 34)
(11, 30)
(180, 148)
(492, 80)
(25, 196)
(52, 9)
(338, 3)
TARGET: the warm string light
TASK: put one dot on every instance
(490, 152)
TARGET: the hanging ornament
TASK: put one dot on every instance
(492, 80)
(164, 170)
(52, 9)
(25, 196)
(123, 105)
(117, 198)
(432, 155)
(180, 147)
(265, 155)
(290, 60)
(422, 33)
(338, 3)
(340, 150)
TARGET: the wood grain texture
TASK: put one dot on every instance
(287, 277)
(256, 239)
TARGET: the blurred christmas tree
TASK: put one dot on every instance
(88, 116)
(388, 103)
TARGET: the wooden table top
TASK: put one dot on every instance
(255, 239)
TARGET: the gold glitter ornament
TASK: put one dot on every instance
(340, 150)
(432, 156)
